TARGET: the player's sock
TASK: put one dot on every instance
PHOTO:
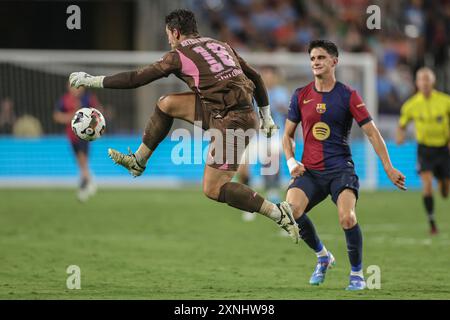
(84, 183)
(354, 247)
(428, 201)
(359, 273)
(242, 197)
(157, 128)
(309, 235)
(270, 210)
(142, 155)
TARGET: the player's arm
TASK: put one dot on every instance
(294, 117)
(361, 115)
(62, 117)
(377, 141)
(296, 168)
(402, 124)
(261, 96)
(131, 79)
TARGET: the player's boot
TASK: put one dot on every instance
(433, 229)
(287, 221)
(127, 161)
(323, 264)
(91, 188)
(83, 191)
(356, 283)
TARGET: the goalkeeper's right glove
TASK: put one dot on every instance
(79, 79)
(267, 125)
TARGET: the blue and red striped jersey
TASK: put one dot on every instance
(326, 119)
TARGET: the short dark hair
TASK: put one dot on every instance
(329, 47)
(183, 20)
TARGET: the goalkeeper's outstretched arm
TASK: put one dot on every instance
(170, 63)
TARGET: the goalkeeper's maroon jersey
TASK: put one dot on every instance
(212, 69)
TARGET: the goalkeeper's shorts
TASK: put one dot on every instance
(236, 127)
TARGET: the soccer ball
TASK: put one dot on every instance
(88, 124)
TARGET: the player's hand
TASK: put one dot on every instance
(268, 126)
(296, 168)
(397, 178)
(83, 79)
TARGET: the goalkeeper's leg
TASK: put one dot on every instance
(217, 185)
(179, 106)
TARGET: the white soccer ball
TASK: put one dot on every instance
(88, 124)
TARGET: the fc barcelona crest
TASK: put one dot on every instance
(321, 107)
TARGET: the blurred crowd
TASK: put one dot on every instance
(413, 33)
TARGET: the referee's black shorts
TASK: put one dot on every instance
(434, 159)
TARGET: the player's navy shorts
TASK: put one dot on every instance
(434, 159)
(80, 146)
(317, 185)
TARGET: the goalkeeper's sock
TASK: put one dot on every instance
(309, 235)
(157, 128)
(270, 210)
(242, 197)
(354, 247)
(428, 202)
(142, 155)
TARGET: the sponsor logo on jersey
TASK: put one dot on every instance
(307, 101)
(321, 107)
(321, 131)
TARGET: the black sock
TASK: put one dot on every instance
(428, 201)
(354, 247)
(84, 183)
(308, 233)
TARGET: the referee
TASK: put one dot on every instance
(430, 111)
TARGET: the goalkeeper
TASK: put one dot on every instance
(223, 86)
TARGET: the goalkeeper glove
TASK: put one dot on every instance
(267, 125)
(78, 79)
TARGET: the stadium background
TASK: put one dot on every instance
(413, 33)
(44, 229)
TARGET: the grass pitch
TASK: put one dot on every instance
(177, 244)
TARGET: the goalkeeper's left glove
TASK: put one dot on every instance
(78, 79)
(267, 125)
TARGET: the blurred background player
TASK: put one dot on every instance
(223, 87)
(279, 100)
(430, 111)
(326, 109)
(7, 116)
(66, 106)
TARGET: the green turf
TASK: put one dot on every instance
(160, 244)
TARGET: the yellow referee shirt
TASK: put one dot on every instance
(431, 117)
